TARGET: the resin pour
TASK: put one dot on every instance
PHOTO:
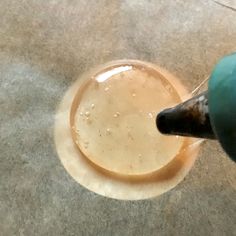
(113, 120)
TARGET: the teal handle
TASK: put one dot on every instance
(222, 103)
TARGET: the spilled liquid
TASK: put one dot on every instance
(113, 119)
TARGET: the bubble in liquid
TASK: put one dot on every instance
(117, 114)
(150, 115)
(116, 144)
(88, 119)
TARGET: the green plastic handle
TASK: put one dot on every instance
(222, 103)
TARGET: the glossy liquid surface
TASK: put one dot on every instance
(114, 120)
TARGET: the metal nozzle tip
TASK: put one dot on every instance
(189, 118)
(162, 123)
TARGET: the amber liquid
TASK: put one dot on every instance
(114, 120)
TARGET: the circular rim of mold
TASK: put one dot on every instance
(112, 166)
(113, 185)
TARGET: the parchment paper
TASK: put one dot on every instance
(44, 47)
